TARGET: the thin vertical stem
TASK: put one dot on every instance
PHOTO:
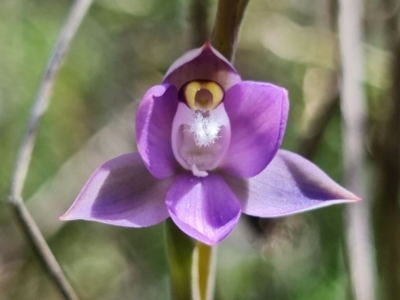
(76, 15)
(226, 27)
(203, 271)
(180, 249)
(192, 265)
(353, 110)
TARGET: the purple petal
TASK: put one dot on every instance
(290, 184)
(154, 127)
(258, 114)
(203, 63)
(204, 208)
(122, 192)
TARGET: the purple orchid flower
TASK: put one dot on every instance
(208, 150)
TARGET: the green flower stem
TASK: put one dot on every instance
(180, 249)
(192, 265)
(226, 28)
(204, 271)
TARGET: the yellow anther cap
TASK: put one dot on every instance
(203, 95)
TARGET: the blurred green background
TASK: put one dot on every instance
(122, 48)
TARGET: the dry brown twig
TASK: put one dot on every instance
(41, 103)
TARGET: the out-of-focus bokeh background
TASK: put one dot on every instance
(124, 47)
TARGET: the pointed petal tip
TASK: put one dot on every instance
(345, 196)
(207, 45)
(355, 198)
(71, 214)
(66, 217)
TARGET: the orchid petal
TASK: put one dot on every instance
(258, 114)
(122, 192)
(204, 208)
(154, 127)
(203, 63)
(290, 184)
(184, 146)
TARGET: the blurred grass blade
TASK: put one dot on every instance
(353, 111)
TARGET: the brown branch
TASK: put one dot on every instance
(359, 244)
(76, 15)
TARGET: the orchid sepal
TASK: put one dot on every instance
(290, 184)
